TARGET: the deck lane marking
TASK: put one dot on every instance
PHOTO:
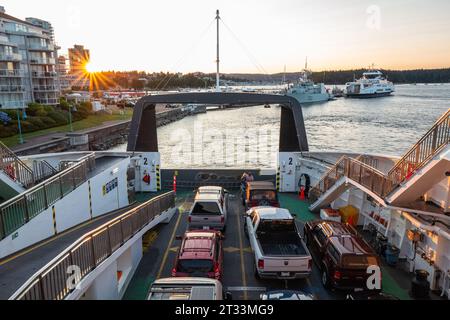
(241, 253)
(174, 249)
(166, 253)
(233, 249)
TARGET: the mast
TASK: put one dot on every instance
(218, 56)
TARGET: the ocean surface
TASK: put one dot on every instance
(248, 137)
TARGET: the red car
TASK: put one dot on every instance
(200, 255)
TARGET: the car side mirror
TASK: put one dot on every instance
(228, 296)
(178, 238)
(294, 215)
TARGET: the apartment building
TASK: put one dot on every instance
(27, 62)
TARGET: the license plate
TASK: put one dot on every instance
(285, 274)
(205, 228)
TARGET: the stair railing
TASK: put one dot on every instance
(430, 144)
(15, 168)
(19, 210)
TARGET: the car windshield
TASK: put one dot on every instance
(263, 195)
(206, 208)
(358, 261)
(193, 266)
(272, 226)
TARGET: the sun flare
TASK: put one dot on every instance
(91, 67)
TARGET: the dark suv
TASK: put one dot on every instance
(341, 254)
(260, 194)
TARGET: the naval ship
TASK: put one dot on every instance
(106, 225)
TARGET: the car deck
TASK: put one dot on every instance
(161, 247)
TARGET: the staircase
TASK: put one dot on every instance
(360, 171)
(19, 210)
(14, 168)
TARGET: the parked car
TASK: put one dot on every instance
(209, 210)
(341, 254)
(278, 248)
(200, 255)
(370, 296)
(287, 295)
(260, 194)
(187, 289)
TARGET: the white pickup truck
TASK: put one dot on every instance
(279, 250)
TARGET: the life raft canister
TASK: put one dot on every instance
(9, 170)
(146, 179)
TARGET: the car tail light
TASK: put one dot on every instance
(174, 272)
(189, 219)
(310, 262)
(260, 264)
(222, 219)
(337, 275)
(217, 271)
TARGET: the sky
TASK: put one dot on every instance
(262, 36)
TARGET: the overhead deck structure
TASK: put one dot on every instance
(143, 135)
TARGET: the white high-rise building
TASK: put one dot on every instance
(27, 62)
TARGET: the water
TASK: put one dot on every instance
(248, 137)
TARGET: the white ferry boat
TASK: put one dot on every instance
(373, 84)
(306, 91)
(94, 225)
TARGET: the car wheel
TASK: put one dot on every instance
(325, 279)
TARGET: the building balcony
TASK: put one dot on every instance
(39, 47)
(50, 101)
(11, 73)
(42, 61)
(13, 104)
(12, 89)
(10, 57)
(40, 74)
(45, 88)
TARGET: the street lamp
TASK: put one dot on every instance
(70, 116)
(21, 141)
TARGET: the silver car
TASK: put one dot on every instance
(209, 210)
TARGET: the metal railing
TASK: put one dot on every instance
(19, 210)
(13, 104)
(430, 144)
(11, 73)
(88, 252)
(46, 74)
(43, 170)
(356, 170)
(10, 57)
(45, 88)
(38, 46)
(15, 168)
(12, 88)
(34, 60)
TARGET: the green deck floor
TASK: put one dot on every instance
(139, 286)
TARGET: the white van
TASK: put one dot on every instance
(209, 210)
(186, 289)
